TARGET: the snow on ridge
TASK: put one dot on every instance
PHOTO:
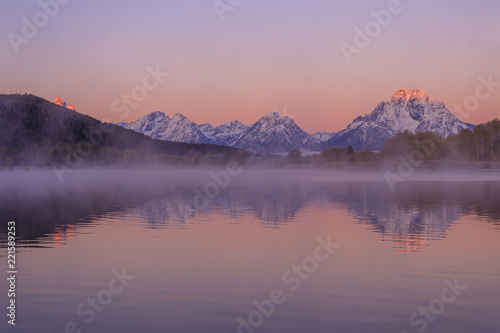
(411, 110)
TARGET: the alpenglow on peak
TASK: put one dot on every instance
(411, 110)
(59, 101)
(407, 94)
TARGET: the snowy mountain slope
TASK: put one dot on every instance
(409, 110)
(271, 133)
(148, 124)
(227, 134)
(207, 129)
(275, 133)
(157, 125)
(323, 136)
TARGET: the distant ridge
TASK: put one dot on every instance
(411, 110)
(271, 133)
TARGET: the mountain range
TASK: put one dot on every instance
(272, 133)
(411, 110)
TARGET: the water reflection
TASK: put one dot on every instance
(63, 235)
(410, 217)
(416, 213)
(272, 206)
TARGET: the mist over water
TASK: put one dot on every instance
(205, 243)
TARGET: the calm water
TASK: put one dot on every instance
(200, 261)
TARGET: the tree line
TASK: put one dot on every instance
(479, 145)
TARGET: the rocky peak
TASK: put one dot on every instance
(406, 95)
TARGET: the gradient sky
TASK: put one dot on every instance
(265, 55)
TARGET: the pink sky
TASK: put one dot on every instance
(284, 55)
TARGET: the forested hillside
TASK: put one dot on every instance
(34, 131)
(480, 144)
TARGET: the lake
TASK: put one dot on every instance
(273, 250)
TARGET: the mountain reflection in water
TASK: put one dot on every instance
(418, 211)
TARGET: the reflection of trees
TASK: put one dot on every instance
(414, 214)
(58, 209)
(418, 212)
(408, 224)
(481, 200)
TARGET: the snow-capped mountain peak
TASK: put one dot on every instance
(179, 117)
(59, 101)
(158, 115)
(148, 124)
(227, 134)
(154, 117)
(411, 110)
(159, 126)
(273, 114)
(323, 136)
(271, 133)
(405, 95)
(206, 129)
(275, 133)
(232, 127)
